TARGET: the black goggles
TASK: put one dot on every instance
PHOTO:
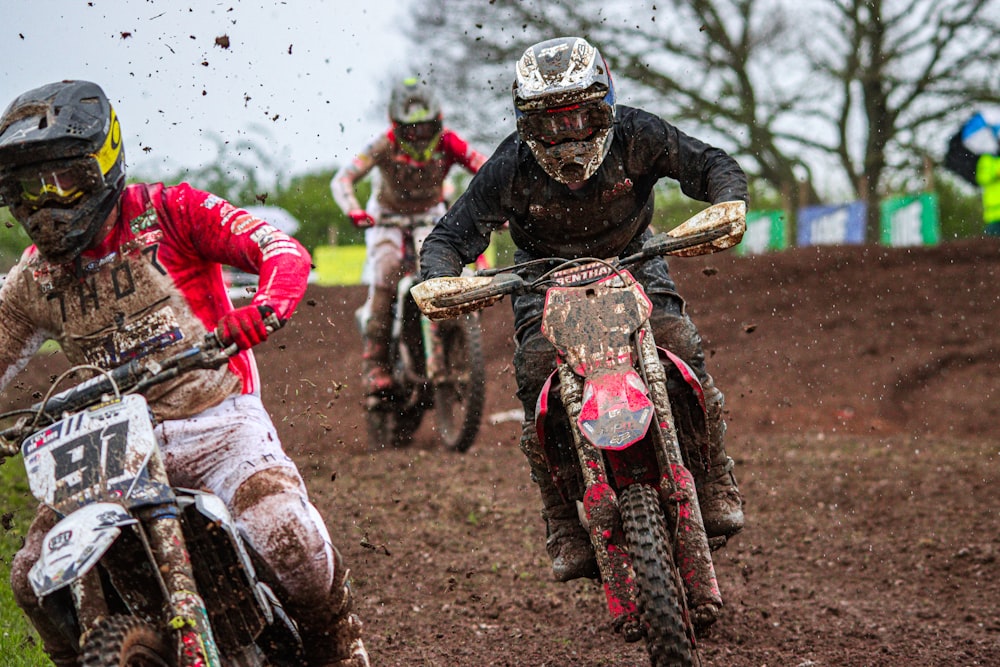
(577, 122)
(418, 132)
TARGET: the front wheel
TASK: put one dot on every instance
(661, 603)
(459, 382)
(392, 425)
(125, 641)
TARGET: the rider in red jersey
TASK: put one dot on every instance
(122, 272)
(413, 159)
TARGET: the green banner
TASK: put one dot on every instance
(766, 231)
(911, 220)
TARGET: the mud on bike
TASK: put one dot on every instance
(622, 424)
(137, 573)
(437, 366)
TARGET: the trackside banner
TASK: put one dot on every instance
(766, 231)
(910, 220)
(832, 225)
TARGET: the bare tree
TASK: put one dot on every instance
(834, 97)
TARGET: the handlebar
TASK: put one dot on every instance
(135, 376)
(507, 280)
(407, 220)
(715, 228)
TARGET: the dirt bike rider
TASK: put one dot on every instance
(413, 159)
(576, 180)
(119, 272)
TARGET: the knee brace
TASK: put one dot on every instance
(274, 515)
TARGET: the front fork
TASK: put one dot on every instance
(432, 345)
(677, 492)
(187, 615)
(692, 552)
(603, 519)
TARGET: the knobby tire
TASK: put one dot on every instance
(659, 597)
(125, 641)
(460, 394)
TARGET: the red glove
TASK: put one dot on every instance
(360, 218)
(244, 327)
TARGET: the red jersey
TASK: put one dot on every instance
(406, 185)
(153, 285)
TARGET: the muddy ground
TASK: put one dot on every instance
(863, 390)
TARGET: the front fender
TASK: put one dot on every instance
(76, 544)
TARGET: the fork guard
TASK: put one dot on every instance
(76, 544)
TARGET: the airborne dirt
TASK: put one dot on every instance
(863, 390)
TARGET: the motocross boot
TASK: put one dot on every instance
(377, 338)
(567, 541)
(331, 635)
(57, 645)
(718, 495)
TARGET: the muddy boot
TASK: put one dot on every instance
(377, 338)
(719, 497)
(567, 541)
(57, 645)
(331, 634)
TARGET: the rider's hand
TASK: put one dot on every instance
(360, 218)
(244, 327)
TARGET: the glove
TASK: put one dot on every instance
(244, 327)
(360, 218)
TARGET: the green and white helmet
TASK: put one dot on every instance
(417, 121)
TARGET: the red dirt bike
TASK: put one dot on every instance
(137, 573)
(622, 423)
(437, 366)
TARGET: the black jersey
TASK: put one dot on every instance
(600, 219)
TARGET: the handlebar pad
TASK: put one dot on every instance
(502, 284)
(85, 393)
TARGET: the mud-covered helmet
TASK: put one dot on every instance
(416, 118)
(564, 101)
(62, 165)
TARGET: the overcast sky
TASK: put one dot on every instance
(308, 77)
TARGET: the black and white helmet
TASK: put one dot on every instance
(62, 165)
(564, 100)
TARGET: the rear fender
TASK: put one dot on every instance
(545, 403)
(686, 372)
(76, 544)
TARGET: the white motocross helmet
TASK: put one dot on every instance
(564, 101)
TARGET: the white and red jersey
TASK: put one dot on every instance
(406, 185)
(153, 286)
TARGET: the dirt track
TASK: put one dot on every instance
(863, 387)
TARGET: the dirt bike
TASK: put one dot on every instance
(137, 573)
(622, 423)
(436, 365)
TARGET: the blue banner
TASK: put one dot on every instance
(832, 225)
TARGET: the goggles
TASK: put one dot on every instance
(418, 132)
(60, 183)
(577, 122)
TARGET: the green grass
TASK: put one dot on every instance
(18, 642)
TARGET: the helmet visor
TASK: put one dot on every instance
(58, 183)
(419, 133)
(577, 122)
